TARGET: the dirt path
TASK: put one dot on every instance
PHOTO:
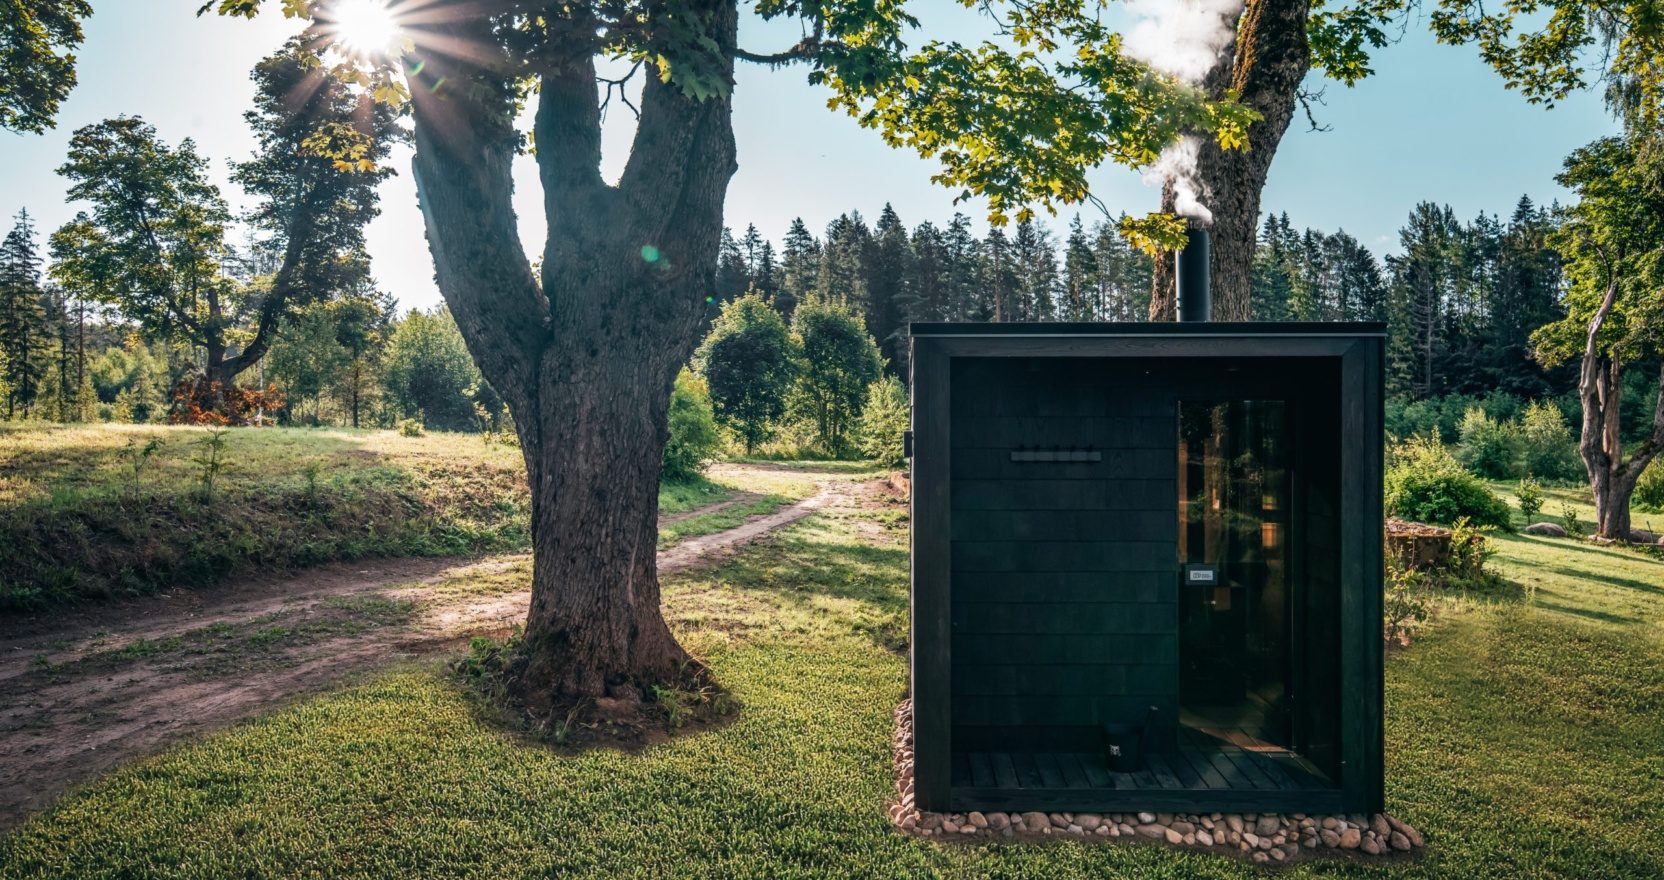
(84, 692)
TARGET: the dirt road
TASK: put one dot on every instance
(84, 691)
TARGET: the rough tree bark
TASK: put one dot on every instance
(1265, 66)
(586, 359)
(1611, 477)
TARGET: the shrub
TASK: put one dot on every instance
(1548, 448)
(1489, 447)
(412, 427)
(1427, 484)
(693, 436)
(884, 422)
(1649, 490)
(1574, 526)
(1531, 498)
(840, 360)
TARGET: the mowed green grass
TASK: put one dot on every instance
(84, 517)
(1523, 738)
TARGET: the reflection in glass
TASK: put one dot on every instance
(1233, 536)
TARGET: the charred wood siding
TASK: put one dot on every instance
(1063, 613)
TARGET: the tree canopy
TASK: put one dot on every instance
(38, 39)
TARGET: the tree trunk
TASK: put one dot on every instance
(587, 359)
(1270, 58)
(1612, 478)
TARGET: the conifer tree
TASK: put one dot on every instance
(1080, 271)
(25, 333)
(887, 277)
(799, 267)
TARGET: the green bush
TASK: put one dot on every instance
(884, 422)
(1531, 498)
(1649, 490)
(1549, 451)
(1426, 483)
(693, 436)
(1489, 447)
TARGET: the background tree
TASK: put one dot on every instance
(428, 373)
(38, 39)
(1613, 245)
(749, 362)
(155, 236)
(887, 273)
(884, 421)
(839, 361)
(316, 171)
(25, 333)
(693, 436)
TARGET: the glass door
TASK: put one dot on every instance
(1234, 568)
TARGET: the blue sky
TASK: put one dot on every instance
(1433, 124)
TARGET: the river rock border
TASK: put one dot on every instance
(1262, 837)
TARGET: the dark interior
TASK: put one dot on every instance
(1145, 543)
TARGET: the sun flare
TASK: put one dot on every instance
(366, 28)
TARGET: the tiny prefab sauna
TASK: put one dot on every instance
(1147, 564)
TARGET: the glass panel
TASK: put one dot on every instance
(1234, 598)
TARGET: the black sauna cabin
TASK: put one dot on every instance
(1147, 567)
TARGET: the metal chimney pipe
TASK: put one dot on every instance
(1191, 273)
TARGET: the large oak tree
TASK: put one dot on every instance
(584, 347)
(1613, 244)
(1545, 49)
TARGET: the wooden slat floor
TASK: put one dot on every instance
(1205, 760)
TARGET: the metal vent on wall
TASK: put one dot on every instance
(1055, 455)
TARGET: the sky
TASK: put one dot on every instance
(1434, 123)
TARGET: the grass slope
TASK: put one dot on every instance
(76, 524)
(1522, 736)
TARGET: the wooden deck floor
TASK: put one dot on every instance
(1211, 770)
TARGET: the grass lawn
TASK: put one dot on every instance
(84, 516)
(1523, 737)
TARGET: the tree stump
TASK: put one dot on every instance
(1417, 546)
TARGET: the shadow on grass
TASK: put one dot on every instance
(1588, 613)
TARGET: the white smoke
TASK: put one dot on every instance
(1183, 39)
(1178, 163)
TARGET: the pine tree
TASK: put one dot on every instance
(733, 272)
(25, 333)
(1124, 276)
(928, 283)
(887, 275)
(1080, 276)
(998, 291)
(1036, 265)
(843, 271)
(799, 268)
(963, 296)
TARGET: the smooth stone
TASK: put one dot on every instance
(1164, 818)
(1267, 826)
(977, 819)
(1278, 855)
(996, 821)
(951, 827)
(1371, 846)
(1152, 831)
(1059, 820)
(1251, 839)
(1089, 821)
(1234, 822)
(1204, 838)
(1183, 827)
(1406, 830)
(1330, 822)
(1350, 838)
(1331, 838)
(1378, 824)
(1034, 821)
(1146, 818)
(1399, 841)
